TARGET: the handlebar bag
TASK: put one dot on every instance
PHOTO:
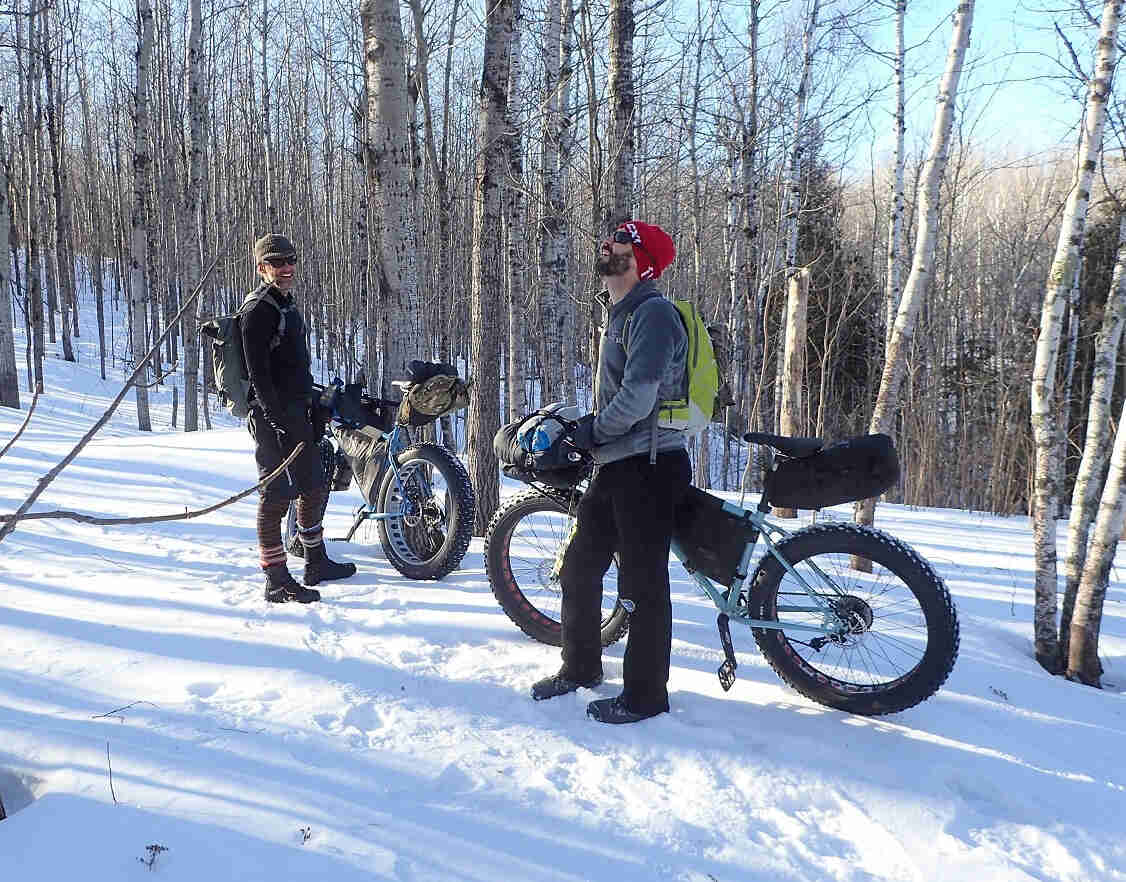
(538, 442)
(853, 469)
(438, 394)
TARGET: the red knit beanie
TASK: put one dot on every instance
(653, 248)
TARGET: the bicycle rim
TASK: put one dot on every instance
(534, 553)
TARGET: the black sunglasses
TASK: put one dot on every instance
(623, 237)
(282, 261)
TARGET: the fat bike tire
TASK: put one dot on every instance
(522, 544)
(432, 509)
(903, 636)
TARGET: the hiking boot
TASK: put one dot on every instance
(318, 567)
(281, 587)
(557, 684)
(614, 710)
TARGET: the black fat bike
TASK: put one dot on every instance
(848, 616)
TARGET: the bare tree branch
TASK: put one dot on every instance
(47, 479)
(155, 519)
(26, 420)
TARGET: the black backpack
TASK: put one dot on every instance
(232, 379)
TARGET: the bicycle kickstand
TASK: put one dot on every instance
(726, 670)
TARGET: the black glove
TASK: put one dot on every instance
(290, 427)
(582, 436)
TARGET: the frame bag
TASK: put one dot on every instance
(853, 469)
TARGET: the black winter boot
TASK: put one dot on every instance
(318, 567)
(281, 587)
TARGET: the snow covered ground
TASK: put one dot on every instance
(387, 732)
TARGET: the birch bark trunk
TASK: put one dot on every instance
(486, 303)
(517, 232)
(9, 373)
(922, 267)
(622, 27)
(1045, 417)
(191, 225)
(34, 170)
(388, 166)
(792, 212)
(61, 257)
(895, 222)
(1085, 492)
(94, 209)
(791, 416)
(1082, 662)
(553, 256)
(142, 172)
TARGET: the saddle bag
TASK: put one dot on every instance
(853, 469)
(711, 538)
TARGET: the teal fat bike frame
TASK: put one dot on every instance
(847, 615)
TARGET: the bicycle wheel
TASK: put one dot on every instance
(902, 637)
(432, 504)
(292, 541)
(522, 545)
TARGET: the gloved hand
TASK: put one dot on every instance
(291, 427)
(582, 436)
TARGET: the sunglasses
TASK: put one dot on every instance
(276, 262)
(622, 237)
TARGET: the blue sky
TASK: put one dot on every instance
(1018, 88)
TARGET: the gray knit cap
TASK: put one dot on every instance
(273, 245)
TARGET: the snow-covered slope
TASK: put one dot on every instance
(387, 732)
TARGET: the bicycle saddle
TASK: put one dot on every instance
(798, 448)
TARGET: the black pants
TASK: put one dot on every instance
(306, 473)
(629, 509)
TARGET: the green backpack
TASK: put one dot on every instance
(232, 380)
(705, 367)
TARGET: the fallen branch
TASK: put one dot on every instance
(155, 519)
(109, 766)
(118, 710)
(26, 420)
(46, 480)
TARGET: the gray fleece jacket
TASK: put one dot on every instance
(629, 386)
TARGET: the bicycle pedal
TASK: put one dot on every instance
(726, 670)
(726, 674)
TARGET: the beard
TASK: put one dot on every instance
(612, 264)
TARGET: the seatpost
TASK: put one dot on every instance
(768, 464)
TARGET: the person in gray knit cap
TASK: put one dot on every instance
(282, 414)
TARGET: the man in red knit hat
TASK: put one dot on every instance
(642, 473)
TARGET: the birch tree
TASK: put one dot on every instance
(895, 221)
(922, 266)
(195, 86)
(622, 101)
(1082, 662)
(33, 171)
(792, 211)
(388, 166)
(1095, 448)
(142, 184)
(1045, 416)
(517, 232)
(487, 282)
(556, 313)
(61, 256)
(9, 375)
